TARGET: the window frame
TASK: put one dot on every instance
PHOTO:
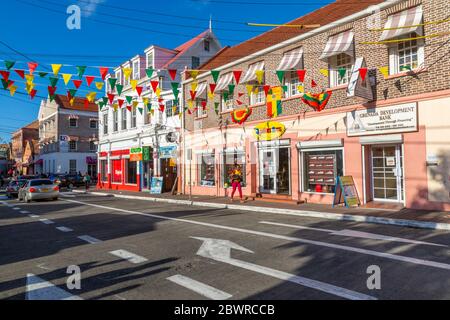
(200, 113)
(115, 120)
(70, 166)
(133, 124)
(292, 81)
(200, 163)
(394, 53)
(334, 79)
(123, 122)
(70, 146)
(118, 75)
(196, 59)
(93, 121)
(105, 123)
(94, 148)
(136, 70)
(70, 123)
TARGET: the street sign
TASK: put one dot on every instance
(136, 154)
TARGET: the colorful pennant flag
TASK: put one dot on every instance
(9, 64)
(53, 81)
(274, 102)
(249, 88)
(313, 84)
(301, 75)
(342, 72)
(5, 75)
(89, 80)
(99, 85)
(33, 93)
(119, 88)
(112, 83)
(259, 76)
(317, 101)
(363, 73)
(172, 73)
(154, 85)
(241, 115)
(139, 90)
(111, 97)
(32, 66)
(133, 84)
(21, 73)
(56, 68)
(324, 72)
(127, 73)
(384, 71)
(212, 87)
(51, 91)
(120, 102)
(77, 83)
(215, 74)
(129, 99)
(237, 75)
(149, 72)
(103, 72)
(280, 75)
(231, 88)
(82, 69)
(266, 90)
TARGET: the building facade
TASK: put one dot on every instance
(68, 136)
(138, 141)
(24, 159)
(389, 131)
(5, 161)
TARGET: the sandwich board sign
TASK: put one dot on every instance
(156, 185)
(345, 192)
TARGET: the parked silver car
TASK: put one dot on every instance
(39, 189)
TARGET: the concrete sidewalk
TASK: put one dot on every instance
(404, 217)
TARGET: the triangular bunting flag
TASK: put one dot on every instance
(5, 75)
(384, 71)
(66, 78)
(154, 85)
(266, 89)
(141, 110)
(42, 74)
(111, 97)
(33, 93)
(12, 90)
(9, 64)
(249, 88)
(193, 94)
(342, 72)
(82, 69)
(215, 74)
(129, 99)
(56, 68)
(103, 72)
(112, 83)
(127, 73)
(259, 76)
(77, 83)
(280, 75)
(133, 84)
(194, 74)
(120, 102)
(51, 91)
(231, 88)
(149, 72)
(72, 93)
(172, 73)
(324, 72)
(212, 87)
(32, 66)
(139, 90)
(301, 75)
(89, 80)
(363, 73)
(21, 73)
(237, 75)
(119, 88)
(313, 84)
(99, 85)
(53, 81)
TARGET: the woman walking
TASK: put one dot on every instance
(236, 179)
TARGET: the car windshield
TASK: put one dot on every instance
(40, 182)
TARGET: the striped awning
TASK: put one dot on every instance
(402, 23)
(251, 75)
(339, 43)
(201, 89)
(224, 81)
(291, 60)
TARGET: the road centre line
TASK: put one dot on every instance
(199, 287)
(417, 261)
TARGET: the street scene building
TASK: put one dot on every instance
(383, 132)
(139, 142)
(24, 149)
(68, 136)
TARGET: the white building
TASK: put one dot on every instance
(139, 142)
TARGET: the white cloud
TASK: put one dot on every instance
(88, 7)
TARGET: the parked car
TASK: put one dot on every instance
(39, 189)
(68, 180)
(12, 190)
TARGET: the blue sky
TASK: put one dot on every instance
(37, 30)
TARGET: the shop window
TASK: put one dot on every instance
(72, 166)
(292, 82)
(116, 166)
(406, 55)
(339, 62)
(104, 170)
(131, 170)
(320, 170)
(207, 169)
(230, 160)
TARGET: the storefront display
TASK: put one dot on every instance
(116, 166)
(320, 169)
(131, 171)
(207, 170)
(104, 170)
(275, 170)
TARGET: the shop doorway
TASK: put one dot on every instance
(387, 173)
(147, 173)
(274, 167)
(169, 173)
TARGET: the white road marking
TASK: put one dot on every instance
(89, 239)
(64, 229)
(16, 208)
(220, 250)
(39, 289)
(131, 257)
(67, 195)
(33, 216)
(391, 256)
(200, 288)
(354, 233)
(46, 221)
(24, 211)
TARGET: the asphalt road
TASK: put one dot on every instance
(129, 249)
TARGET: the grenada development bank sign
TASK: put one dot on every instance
(395, 119)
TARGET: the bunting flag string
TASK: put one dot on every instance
(89, 80)
(215, 75)
(56, 68)
(127, 73)
(172, 74)
(104, 72)
(237, 75)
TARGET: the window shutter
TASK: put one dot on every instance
(393, 60)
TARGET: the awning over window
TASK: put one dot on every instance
(224, 81)
(402, 23)
(251, 75)
(339, 43)
(201, 89)
(291, 60)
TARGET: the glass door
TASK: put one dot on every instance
(274, 168)
(387, 173)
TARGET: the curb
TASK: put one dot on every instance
(299, 213)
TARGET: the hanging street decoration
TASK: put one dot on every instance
(21, 73)
(99, 85)
(77, 83)
(259, 76)
(172, 74)
(149, 72)
(32, 66)
(119, 88)
(89, 80)
(237, 75)
(9, 64)
(280, 75)
(127, 73)
(82, 69)
(301, 75)
(215, 75)
(103, 72)
(274, 102)
(66, 78)
(317, 101)
(56, 68)
(241, 115)
(269, 130)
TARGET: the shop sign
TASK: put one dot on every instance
(269, 130)
(146, 156)
(172, 162)
(168, 152)
(135, 154)
(395, 119)
(156, 185)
